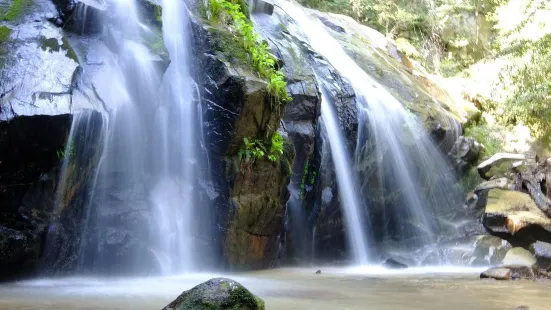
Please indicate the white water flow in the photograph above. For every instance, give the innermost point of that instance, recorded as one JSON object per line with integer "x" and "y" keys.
{"x": 174, "y": 195}
{"x": 349, "y": 200}
{"x": 391, "y": 142}
{"x": 142, "y": 217}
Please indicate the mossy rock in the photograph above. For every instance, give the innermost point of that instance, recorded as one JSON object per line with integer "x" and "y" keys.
{"x": 217, "y": 293}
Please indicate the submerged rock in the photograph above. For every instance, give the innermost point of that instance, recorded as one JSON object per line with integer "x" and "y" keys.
{"x": 217, "y": 293}
{"x": 513, "y": 272}
{"x": 499, "y": 273}
{"x": 394, "y": 264}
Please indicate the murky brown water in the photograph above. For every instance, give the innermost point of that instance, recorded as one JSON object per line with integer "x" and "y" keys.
{"x": 291, "y": 289}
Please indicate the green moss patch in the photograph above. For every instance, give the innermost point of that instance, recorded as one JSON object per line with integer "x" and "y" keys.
{"x": 52, "y": 45}
{"x": 229, "y": 47}
{"x": 17, "y": 8}
{"x": 5, "y": 33}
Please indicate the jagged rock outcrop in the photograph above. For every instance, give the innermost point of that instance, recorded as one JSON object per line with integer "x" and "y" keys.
{"x": 465, "y": 153}
{"x": 217, "y": 293}
{"x": 236, "y": 104}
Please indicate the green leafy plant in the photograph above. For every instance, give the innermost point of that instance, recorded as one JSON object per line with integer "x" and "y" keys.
{"x": 276, "y": 147}
{"x": 257, "y": 149}
{"x": 263, "y": 62}
{"x": 304, "y": 180}
{"x": 68, "y": 152}
{"x": 252, "y": 150}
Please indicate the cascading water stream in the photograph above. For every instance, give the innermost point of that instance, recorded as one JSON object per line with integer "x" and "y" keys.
{"x": 145, "y": 213}
{"x": 393, "y": 151}
{"x": 349, "y": 200}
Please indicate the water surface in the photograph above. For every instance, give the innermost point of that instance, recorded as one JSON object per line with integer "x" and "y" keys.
{"x": 358, "y": 288}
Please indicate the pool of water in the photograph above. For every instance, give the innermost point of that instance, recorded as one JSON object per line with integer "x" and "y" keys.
{"x": 293, "y": 288}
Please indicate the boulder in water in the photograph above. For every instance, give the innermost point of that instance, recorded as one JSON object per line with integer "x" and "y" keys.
{"x": 394, "y": 264}
{"x": 542, "y": 252}
{"x": 217, "y": 293}
{"x": 513, "y": 272}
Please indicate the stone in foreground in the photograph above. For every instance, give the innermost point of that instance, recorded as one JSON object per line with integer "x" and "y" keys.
{"x": 513, "y": 272}
{"x": 217, "y": 293}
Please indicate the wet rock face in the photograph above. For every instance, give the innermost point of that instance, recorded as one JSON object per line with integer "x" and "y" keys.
{"x": 29, "y": 165}
{"x": 252, "y": 195}
{"x": 81, "y": 16}
{"x": 38, "y": 67}
{"x": 217, "y": 293}
{"x": 257, "y": 211}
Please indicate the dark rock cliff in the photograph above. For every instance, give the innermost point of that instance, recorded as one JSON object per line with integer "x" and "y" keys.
{"x": 29, "y": 170}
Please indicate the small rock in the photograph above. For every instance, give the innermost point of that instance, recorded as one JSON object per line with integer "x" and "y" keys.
{"x": 519, "y": 256}
{"x": 394, "y": 264}
{"x": 217, "y": 293}
{"x": 499, "y": 273}
{"x": 318, "y": 272}
{"x": 512, "y": 272}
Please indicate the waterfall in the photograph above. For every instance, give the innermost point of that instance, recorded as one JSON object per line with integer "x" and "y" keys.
{"x": 144, "y": 212}
{"x": 401, "y": 170}
{"x": 350, "y": 201}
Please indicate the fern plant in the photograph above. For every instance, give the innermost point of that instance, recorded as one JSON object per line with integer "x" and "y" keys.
{"x": 276, "y": 147}
{"x": 262, "y": 61}
{"x": 252, "y": 150}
